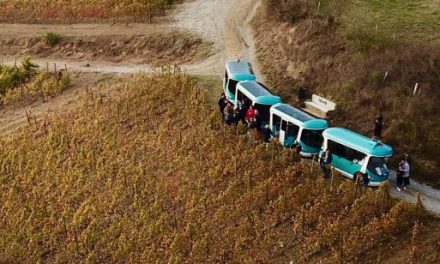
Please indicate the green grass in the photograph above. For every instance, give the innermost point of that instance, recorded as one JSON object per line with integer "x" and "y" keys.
{"x": 410, "y": 19}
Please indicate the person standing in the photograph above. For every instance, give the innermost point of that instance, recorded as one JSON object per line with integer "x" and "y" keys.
{"x": 222, "y": 104}
{"x": 302, "y": 93}
{"x": 405, "y": 169}
{"x": 326, "y": 163}
{"x": 228, "y": 113}
{"x": 267, "y": 134}
{"x": 258, "y": 120}
{"x": 399, "y": 176}
{"x": 250, "y": 114}
{"x": 378, "y": 126}
{"x": 242, "y": 113}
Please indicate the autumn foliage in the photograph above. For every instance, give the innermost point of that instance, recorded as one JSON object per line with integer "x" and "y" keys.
{"x": 151, "y": 175}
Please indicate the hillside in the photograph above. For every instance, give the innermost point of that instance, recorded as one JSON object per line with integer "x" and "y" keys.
{"x": 148, "y": 174}
{"x": 367, "y": 56}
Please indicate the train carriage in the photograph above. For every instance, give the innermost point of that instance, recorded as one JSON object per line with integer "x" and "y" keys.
{"x": 257, "y": 95}
{"x": 236, "y": 71}
{"x": 290, "y": 124}
{"x": 354, "y": 153}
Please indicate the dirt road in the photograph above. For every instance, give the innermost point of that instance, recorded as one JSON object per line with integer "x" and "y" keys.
{"x": 429, "y": 196}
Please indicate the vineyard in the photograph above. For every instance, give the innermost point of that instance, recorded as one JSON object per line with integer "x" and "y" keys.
{"x": 67, "y": 11}
{"x": 151, "y": 175}
{"x": 25, "y": 83}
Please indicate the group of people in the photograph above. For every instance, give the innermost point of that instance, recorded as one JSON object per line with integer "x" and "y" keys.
{"x": 250, "y": 117}
{"x": 403, "y": 170}
{"x": 402, "y": 177}
{"x": 247, "y": 114}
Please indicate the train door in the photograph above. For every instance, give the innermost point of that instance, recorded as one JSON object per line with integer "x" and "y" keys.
{"x": 275, "y": 125}
{"x": 288, "y": 133}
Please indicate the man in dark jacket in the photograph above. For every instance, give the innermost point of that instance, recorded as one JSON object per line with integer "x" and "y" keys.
{"x": 378, "y": 127}
{"x": 258, "y": 120}
{"x": 267, "y": 134}
{"x": 222, "y": 104}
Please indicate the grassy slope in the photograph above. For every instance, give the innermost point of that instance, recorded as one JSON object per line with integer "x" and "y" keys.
{"x": 150, "y": 175}
{"x": 345, "y": 51}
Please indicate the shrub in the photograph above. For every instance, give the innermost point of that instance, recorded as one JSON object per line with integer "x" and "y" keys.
{"x": 52, "y": 39}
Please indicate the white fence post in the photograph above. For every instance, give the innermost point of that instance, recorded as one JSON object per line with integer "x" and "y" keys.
{"x": 416, "y": 87}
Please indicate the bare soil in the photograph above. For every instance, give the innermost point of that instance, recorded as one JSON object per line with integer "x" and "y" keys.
{"x": 118, "y": 43}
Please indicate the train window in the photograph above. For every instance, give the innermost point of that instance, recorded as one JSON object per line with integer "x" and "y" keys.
{"x": 312, "y": 138}
{"x": 292, "y": 130}
{"x": 376, "y": 162}
{"x": 240, "y": 96}
{"x": 276, "y": 121}
{"x": 336, "y": 148}
{"x": 264, "y": 111}
{"x": 346, "y": 152}
{"x": 232, "y": 85}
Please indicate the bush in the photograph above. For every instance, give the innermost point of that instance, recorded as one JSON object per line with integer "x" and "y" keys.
{"x": 52, "y": 39}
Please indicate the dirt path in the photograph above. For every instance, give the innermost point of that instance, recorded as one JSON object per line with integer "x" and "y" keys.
{"x": 226, "y": 24}
{"x": 429, "y": 196}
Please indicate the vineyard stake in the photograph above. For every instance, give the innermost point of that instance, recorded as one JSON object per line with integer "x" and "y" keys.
{"x": 331, "y": 180}
{"x": 356, "y": 189}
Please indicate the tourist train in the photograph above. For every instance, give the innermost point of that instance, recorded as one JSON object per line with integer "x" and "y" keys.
{"x": 353, "y": 153}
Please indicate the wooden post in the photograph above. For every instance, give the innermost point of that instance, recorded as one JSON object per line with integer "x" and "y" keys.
{"x": 357, "y": 186}
{"x": 311, "y": 165}
{"x": 331, "y": 180}
{"x": 385, "y": 76}
{"x": 55, "y": 67}
{"x": 416, "y": 87}
{"x": 303, "y": 220}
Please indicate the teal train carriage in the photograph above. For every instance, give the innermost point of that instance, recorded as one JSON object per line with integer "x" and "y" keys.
{"x": 354, "y": 153}
{"x": 236, "y": 71}
{"x": 257, "y": 95}
{"x": 291, "y": 125}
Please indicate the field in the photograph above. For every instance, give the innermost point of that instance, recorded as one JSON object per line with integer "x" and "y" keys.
{"x": 414, "y": 20}
{"x": 138, "y": 176}
{"x": 65, "y": 11}
{"x": 367, "y": 56}
{"x": 129, "y": 167}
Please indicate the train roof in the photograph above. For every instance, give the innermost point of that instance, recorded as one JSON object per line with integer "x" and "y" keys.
{"x": 359, "y": 142}
{"x": 296, "y": 116}
{"x": 240, "y": 70}
{"x": 257, "y": 93}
